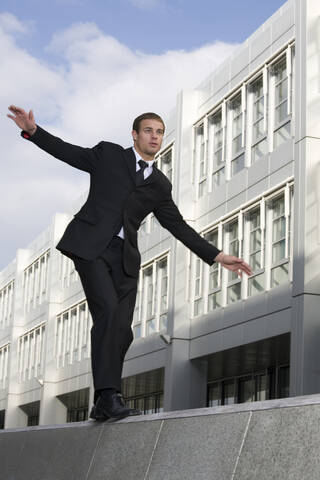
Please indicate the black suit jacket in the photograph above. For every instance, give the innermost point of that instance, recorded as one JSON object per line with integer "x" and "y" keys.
{"x": 114, "y": 199}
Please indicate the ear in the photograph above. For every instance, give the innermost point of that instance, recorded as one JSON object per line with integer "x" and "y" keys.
{"x": 134, "y": 134}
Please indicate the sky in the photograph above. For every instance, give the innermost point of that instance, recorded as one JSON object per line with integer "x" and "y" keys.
{"x": 87, "y": 69}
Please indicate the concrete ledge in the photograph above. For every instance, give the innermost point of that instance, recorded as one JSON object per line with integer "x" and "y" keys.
{"x": 272, "y": 439}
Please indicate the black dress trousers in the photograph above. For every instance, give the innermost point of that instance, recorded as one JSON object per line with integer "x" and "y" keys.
{"x": 111, "y": 296}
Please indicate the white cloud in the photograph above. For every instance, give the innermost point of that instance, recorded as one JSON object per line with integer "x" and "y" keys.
{"x": 95, "y": 93}
{"x": 10, "y": 23}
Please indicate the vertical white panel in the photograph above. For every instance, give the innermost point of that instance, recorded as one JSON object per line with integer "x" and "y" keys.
{"x": 289, "y": 72}
{"x": 265, "y": 97}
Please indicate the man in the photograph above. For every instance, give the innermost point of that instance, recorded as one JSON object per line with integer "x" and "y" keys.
{"x": 101, "y": 239}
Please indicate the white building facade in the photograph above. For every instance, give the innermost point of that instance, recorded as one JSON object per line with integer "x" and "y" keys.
{"x": 242, "y": 153}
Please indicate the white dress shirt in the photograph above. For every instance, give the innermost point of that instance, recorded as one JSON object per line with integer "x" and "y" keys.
{"x": 147, "y": 171}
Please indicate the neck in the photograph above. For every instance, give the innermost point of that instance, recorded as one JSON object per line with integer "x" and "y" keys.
{"x": 145, "y": 156}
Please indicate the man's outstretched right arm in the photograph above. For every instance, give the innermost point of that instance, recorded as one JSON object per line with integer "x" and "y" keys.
{"x": 78, "y": 157}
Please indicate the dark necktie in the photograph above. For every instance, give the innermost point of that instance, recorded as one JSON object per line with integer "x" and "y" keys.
{"x": 140, "y": 175}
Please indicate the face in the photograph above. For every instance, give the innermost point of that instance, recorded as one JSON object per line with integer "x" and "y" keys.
{"x": 149, "y": 138}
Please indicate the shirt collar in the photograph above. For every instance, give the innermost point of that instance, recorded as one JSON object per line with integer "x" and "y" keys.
{"x": 138, "y": 157}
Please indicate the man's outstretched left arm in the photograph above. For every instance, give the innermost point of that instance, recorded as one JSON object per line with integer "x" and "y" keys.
{"x": 170, "y": 218}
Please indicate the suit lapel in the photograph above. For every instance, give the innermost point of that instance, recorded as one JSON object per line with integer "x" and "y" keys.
{"x": 131, "y": 164}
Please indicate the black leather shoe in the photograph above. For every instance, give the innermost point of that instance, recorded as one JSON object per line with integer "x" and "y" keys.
{"x": 111, "y": 409}
{"x": 133, "y": 411}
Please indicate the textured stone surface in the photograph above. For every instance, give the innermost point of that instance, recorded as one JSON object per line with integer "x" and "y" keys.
{"x": 276, "y": 439}
{"x": 48, "y": 454}
{"x": 198, "y": 448}
{"x": 124, "y": 451}
{"x": 282, "y": 444}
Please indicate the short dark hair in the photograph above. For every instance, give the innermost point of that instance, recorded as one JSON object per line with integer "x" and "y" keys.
{"x": 146, "y": 116}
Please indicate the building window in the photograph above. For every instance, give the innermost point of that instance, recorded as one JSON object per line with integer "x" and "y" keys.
{"x": 151, "y": 403}
{"x": 32, "y": 410}
{"x": 144, "y": 391}
{"x": 256, "y": 249}
{"x": 197, "y": 287}
{"x": 236, "y": 122}
{"x": 31, "y": 353}
{"x": 216, "y": 148}
{"x": 259, "y": 142}
{"x": 282, "y": 117}
{"x": 35, "y": 282}
{"x": 246, "y": 134}
{"x": 151, "y": 308}
{"x": 4, "y": 365}
{"x": 77, "y": 404}
{"x": 234, "y": 283}
{"x": 261, "y": 234}
{"x": 271, "y": 383}
{"x": 72, "y": 339}
{"x": 6, "y": 304}
{"x": 164, "y": 162}
{"x": 200, "y": 160}
{"x": 280, "y": 240}
{"x": 214, "y": 286}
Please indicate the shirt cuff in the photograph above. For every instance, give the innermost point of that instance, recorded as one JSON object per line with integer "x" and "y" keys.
{"x": 25, "y": 134}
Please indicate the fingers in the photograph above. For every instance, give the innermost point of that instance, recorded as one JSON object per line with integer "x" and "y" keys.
{"x": 16, "y": 110}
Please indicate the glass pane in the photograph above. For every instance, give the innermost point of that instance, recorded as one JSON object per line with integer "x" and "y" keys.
{"x": 282, "y": 135}
{"x": 234, "y": 293}
{"x": 281, "y": 91}
{"x": 246, "y": 390}
{"x": 219, "y": 178}
{"x": 256, "y": 284}
{"x": 233, "y": 231}
{"x": 255, "y": 240}
{"x": 215, "y": 301}
{"x": 236, "y": 144}
{"x": 258, "y": 130}
{"x": 254, "y": 219}
{"x": 279, "y": 229}
{"x": 261, "y": 387}
{"x": 278, "y": 251}
{"x": 258, "y": 109}
{"x": 198, "y": 307}
{"x": 218, "y": 139}
{"x": 237, "y": 164}
{"x": 283, "y": 382}
{"x": 213, "y": 277}
{"x": 218, "y": 158}
{"x": 279, "y": 275}
{"x": 255, "y": 261}
{"x": 137, "y": 331}
{"x": 214, "y": 395}
{"x": 281, "y": 112}
{"x": 278, "y": 207}
{"x": 228, "y": 392}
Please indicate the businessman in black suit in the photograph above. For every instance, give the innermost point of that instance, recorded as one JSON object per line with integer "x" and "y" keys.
{"x": 101, "y": 239}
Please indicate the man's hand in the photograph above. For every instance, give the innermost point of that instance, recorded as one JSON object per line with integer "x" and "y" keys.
{"x": 23, "y": 119}
{"x": 234, "y": 264}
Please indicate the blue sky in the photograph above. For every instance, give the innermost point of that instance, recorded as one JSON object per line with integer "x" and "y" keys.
{"x": 152, "y": 26}
{"x": 87, "y": 69}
